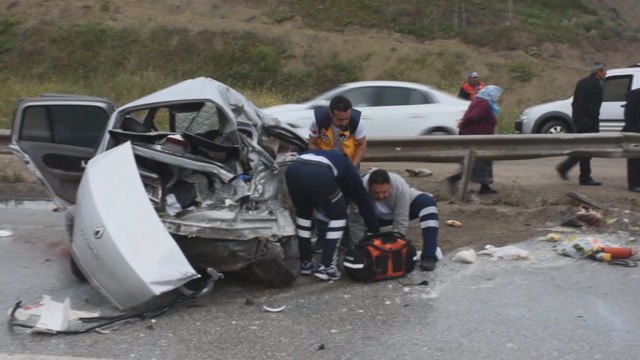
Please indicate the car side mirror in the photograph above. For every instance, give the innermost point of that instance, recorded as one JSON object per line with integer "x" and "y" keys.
{"x": 319, "y": 103}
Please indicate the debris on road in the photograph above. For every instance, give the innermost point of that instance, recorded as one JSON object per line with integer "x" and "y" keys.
{"x": 5, "y": 233}
{"x": 419, "y": 172}
{"x": 584, "y": 199}
{"x": 454, "y": 223}
{"x": 53, "y": 316}
{"x": 580, "y": 247}
{"x": 274, "y": 310}
{"x": 551, "y": 237}
{"x": 505, "y": 252}
{"x": 320, "y": 347}
{"x": 584, "y": 215}
{"x": 466, "y": 256}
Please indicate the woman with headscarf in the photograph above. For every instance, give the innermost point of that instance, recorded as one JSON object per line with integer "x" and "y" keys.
{"x": 480, "y": 118}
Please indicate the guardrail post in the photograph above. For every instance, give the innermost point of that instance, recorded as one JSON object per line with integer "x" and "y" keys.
{"x": 467, "y": 168}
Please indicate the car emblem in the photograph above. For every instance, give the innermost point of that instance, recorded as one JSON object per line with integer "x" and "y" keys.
{"x": 97, "y": 233}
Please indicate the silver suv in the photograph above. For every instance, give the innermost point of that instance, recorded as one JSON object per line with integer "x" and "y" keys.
{"x": 555, "y": 117}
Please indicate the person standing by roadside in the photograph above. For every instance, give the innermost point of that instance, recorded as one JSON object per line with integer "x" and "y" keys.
{"x": 632, "y": 124}
{"x": 322, "y": 179}
{"x": 587, "y": 99}
{"x": 480, "y": 118}
{"x": 395, "y": 203}
{"x": 469, "y": 89}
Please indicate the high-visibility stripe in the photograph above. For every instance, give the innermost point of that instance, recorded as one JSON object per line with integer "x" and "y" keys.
{"x": 303, "y": 222}
{"x": 429, "y": 223}
{"x": 353, "y": 266}
{"x": 337, "y": 223}
{"x": 304, "y": 233}
{"x": 428, "y": 210}
{"x": 334, "y": 234}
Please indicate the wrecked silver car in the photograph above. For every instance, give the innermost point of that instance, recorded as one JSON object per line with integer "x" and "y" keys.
{"x": 165, "y": 189}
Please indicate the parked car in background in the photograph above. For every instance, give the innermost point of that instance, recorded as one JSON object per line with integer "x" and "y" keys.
{"x": 389, "y": 108}
{"x": 182, "y": 180}
{"x": 555, "y": 117}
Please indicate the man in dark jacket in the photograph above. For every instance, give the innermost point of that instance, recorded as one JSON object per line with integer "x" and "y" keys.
{"x": 322, "y": 179}
{"x": 632, "y": 124}
{"x": 585, "y": 107}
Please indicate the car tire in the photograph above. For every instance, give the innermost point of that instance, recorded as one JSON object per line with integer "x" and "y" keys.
{"x": 555, "y": 127}
{"x": 279, "y": 272}
{"x": 75, "y": 270}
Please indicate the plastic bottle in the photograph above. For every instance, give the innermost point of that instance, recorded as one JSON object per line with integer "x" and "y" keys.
{"x": 618, "y": 252}
{"x": 602, "y": 256}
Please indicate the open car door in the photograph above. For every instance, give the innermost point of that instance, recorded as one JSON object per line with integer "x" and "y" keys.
{"x": 55, "y": 135}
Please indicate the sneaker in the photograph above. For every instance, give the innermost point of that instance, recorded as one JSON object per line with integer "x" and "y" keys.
{"x": 330, "y": 273}
{"x": 307, "y": 267}
{"x": 428, "y": 264}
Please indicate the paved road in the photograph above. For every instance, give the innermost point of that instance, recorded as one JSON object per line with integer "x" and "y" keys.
{"x": 549, "y": 307}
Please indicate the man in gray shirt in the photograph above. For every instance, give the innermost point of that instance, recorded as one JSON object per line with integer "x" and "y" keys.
{"x": 395, "y": 204}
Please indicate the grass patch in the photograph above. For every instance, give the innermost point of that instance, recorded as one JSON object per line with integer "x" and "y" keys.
{"x": 11, "y": 177}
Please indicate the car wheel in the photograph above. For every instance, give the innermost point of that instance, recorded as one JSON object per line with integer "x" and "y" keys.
{"x": 279, "y": 272}
{"x": 555, "y": 127}
{"x": 75, "y": 270}
{"x": 438, "y": 131}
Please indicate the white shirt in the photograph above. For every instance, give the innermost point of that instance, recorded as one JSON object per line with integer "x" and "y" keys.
{"x": 383, "y": 211}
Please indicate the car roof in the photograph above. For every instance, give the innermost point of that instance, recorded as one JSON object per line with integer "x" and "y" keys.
{"x": 387, "y": 83}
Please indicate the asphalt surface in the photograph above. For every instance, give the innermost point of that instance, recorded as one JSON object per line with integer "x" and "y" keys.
{"x": 549, "y": 307}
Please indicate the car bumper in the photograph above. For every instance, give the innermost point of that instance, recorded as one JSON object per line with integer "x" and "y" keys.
{"x": 518, "y": 125}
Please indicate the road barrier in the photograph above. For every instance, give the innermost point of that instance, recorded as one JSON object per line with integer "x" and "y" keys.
{"x": 467, "y": 149}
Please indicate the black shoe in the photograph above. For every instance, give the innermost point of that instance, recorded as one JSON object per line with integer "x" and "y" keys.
{"x": 452, "y": 181}
{"x": 428, "y": 264}
{"x": 562, "y": 174}
{"x": 590, "y": 182}
{"x": 635, "y": 189}
{"x": 487, "y": 190}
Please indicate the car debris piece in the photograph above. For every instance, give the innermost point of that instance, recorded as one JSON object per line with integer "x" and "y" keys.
{"x": 454, "y": 223}
{"x": 465, "y": 256}
{"x": 248, "y": 301}
{"x": 506, "y": 252}
{"x": 584, "y": 199}
{"x": 5, "y": 233}
{"x": 320, "y": 347}
{"x": 274, "y": 310}
{"x": 419, "y": 172}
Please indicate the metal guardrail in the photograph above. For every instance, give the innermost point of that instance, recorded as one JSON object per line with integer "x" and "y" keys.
{"x": 501, "y": 147}
{"x": 468, "y": 149}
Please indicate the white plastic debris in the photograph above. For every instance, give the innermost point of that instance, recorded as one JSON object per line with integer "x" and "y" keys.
{"x": 5, "y": 233}
{"x": 54, "y": 316}
{"x": 173, "y": 207}
{"x": 439, "y": 253}
{"x": 505, "y": 252}
{"x": 422, "y": 172}
{"x": 465, "y": 256}
{"x": 274, "y": 310}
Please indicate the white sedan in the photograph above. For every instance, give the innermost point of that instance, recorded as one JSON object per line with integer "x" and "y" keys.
{"x": 389, "y": 108}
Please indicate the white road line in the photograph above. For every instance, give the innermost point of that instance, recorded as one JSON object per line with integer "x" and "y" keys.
{"x": 41, "y": 357}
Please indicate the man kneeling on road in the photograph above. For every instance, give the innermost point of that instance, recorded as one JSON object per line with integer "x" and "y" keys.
{"x": 322, "y": 178}
{"x": 395, "y": 203}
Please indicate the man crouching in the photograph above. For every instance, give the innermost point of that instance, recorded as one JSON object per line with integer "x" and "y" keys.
{"x": 395, "y": 204}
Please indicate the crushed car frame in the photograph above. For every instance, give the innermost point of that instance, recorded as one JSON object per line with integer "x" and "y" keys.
{"x": 162, "y": 189}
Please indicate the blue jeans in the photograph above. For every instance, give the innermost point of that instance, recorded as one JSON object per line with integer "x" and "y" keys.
{"x": 424, "y": 207}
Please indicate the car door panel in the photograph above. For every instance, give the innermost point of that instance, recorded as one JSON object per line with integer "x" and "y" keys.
{"x": 56, "y": 138}
{"x": 612, "y": 108}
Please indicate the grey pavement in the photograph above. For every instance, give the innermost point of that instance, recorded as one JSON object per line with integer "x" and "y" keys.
{"x": 549, "y": 307}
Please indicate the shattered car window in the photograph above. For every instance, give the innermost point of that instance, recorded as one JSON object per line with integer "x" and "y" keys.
{"x": 209, "y": 117}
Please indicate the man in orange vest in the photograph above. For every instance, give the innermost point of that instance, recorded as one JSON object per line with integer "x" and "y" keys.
{"x": 469, "y": 89}
{"x": 338, "y": 128}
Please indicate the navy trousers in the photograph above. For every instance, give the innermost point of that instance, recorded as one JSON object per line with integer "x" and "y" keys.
{"x": 423, "y": 207}
{"x": 312, "y": 185}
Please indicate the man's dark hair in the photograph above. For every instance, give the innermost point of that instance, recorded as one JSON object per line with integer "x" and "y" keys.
{"x": 340, "y": 103}
{"x": 379, "y": 177}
